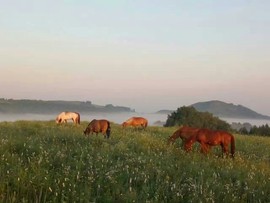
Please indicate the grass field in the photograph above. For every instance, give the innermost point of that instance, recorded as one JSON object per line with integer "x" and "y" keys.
{"x": 44, "y": 162}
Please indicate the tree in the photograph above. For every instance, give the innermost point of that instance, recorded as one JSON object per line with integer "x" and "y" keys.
{"x": 193, "y": 118}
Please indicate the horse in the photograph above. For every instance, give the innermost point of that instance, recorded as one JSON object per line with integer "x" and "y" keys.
{"x": 136, "y": 121}
{"x": 67, "y": 115}
{"x": 184, "y": 133}
{"x": 98, "y": 126}
{"x": 208, "y": 138}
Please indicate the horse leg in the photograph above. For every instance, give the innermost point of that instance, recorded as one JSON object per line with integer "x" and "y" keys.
{"x": 225, "y": 149}
{"x": 183, "y": 142}
{"x": 75, "y": 120}
{"x": 204, "y": 148}
{"x": 143, "y": 126}
{"x": 188, "y": 144}
{"x": 104, "y": 133}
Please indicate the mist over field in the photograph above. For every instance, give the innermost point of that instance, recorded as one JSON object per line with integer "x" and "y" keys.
{"x": 118, "y": 118}
{"x": 113, "y": 117}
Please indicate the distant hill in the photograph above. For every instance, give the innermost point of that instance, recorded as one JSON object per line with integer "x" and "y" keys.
{"x": 164, "y": 112}
{"x": 11, "y": 106}
{"x": 228, "y": 110}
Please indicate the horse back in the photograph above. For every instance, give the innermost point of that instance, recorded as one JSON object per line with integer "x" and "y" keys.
{"x": 104, "y": 124}
{"x": 186, "y": 132}
{"x": 214, "y": 136}
{"x": 140, "y": 121}
{"x": 99, "y": 125}
{"x": 136, "y": 121}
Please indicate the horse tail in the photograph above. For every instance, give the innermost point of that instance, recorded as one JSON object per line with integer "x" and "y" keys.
{"x": 79, "y": 118}
{"x": 146, "y": 123}
{"x": 232, "y": 146}
{"x": 108, "y": 131}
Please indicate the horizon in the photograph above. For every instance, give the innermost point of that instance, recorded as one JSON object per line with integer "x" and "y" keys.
{"x": 145, "y": 112}
{"x": 148, "y": 56}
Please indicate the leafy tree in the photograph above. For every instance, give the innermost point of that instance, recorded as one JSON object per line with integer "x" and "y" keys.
{"x": 193, "y": 118}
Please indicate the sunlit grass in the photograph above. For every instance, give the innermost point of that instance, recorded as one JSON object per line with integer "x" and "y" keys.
{"x": 45, "y": 162}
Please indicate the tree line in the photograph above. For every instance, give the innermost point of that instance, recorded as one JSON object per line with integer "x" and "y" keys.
{"x": 263, "y": 130}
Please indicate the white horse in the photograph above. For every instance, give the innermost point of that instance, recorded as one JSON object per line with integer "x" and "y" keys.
{"x": 64, "y": 116}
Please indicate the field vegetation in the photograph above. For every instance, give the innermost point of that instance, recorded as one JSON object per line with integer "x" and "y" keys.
{"x": 44, "y": 162}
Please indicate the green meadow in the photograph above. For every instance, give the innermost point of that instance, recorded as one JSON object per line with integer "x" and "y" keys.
{"x": 44, "y": 162}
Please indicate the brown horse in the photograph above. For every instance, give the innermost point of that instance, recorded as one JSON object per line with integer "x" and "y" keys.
{"x": 136, "y": 121}
{"x": 67, "y": 115}
{"x": 98, "y": 126}
{"x": 184, "y": 133}
{"x": 208, "y": 138}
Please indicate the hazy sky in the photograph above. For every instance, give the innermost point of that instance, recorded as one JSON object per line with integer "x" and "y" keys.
{"x": 147, "y": 55}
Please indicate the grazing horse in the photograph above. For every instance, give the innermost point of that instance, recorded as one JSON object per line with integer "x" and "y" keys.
{"x": 67, "y": 115}
{"x": 208, "y": 138}
{"x": 184, "y": 133}
{"x": 136, "y": 121}
{"x": 98, "y": 126}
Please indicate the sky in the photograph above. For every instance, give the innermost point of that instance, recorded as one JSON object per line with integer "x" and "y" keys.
{"x": 147, "y": 55}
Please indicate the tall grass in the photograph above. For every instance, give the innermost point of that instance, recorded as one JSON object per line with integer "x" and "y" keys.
{"x": 45, "y": 162}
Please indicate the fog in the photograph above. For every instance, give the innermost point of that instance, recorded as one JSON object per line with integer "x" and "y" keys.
{"x": 119, "y": 118}
{"x": 257, "y": 122}
{"x": 113, "y": 117}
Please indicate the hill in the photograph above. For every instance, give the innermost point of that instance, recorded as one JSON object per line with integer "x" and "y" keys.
{"x": 164, "y": 112}
{"x": 11, "y": 106}
{"x": 228, "y": 110}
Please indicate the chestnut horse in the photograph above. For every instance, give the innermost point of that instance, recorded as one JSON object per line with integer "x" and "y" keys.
{"x": 184, "y": 133}
{"x": 136, "y": 121}
{"x": 98, "y": 126}
{"x": 208, "y": 138}
{"x": 67, "y": 115}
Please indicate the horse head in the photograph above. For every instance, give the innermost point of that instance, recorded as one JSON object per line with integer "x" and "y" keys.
{"x": 170, "y": 140}
{"x": 58, "y": 120}
{"x": 86, "y": 131}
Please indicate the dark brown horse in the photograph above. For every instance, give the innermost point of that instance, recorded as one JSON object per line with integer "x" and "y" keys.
{"x": 98, "y": 126}
{"x": 184, "y": 133}
{"x": 136, "y": 121}
{"x": 208, "y": 138}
